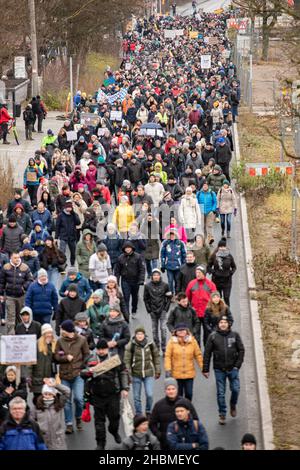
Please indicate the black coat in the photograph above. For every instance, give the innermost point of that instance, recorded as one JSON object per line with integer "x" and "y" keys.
{"x": 227, "y": 349}
{"x": 223, "y": 155}
{"x": 5, "y": 398}
{"x": 14, "y": 282}
{"x": 163, "y": 413}
{"x": 119, "y": 326}
{"x": 211, "y": 321}
{"x": 221, "y": 275}
{"x": 187, "y": 274}
{"x": 183, "y": 315}
{"x": 33, "y": 329}
{"x": 131, "y": 268}
{"x": 155, "y": 298}
{"x": 67, "y": 310}
{"x": 12, "y": 204}
{"x": 66, "y": 226}
{"x": 175, "y": 190}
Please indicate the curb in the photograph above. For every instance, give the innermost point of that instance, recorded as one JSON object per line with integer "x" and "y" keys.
{"x": 260, "y": 363}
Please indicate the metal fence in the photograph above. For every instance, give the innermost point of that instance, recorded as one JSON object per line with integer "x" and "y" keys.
{"x": 295, "y": 253}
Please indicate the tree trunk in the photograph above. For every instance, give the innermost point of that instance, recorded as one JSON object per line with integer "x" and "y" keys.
{"x": 265, "y": 39}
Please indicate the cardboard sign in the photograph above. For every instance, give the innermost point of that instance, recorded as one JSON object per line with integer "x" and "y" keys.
{"x": 18, "y": 349}
{"x": 116, "y": 116}
{"x": 206, "y": 61}
{"x": 194, "y": 34}
{"x": 89, "y": 119}
{"x": 108, "y": 364}
{"x": 71, "y": 135}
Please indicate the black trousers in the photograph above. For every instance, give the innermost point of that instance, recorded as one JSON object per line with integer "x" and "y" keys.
{"x": 4, "y": 128}
{"x": 130, "y": 289}
{"x": 225, "y": 170}
{"x": 224, "y": 288}
{"x": 40, "y": 118}
{"x": 108, "y": 407}
{"x": 32, "y": 191}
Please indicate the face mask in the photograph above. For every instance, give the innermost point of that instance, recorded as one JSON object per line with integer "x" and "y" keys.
{"x": 48, "y": 402}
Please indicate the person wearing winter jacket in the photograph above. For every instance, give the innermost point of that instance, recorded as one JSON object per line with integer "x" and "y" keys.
{"x": 115, "y": 331}
{"x": 189, "y": 213}
{"x": 44, "y": 215}
{"x": 142, "y": 362}
{"x": 85, "y": 248}
{"x": 66, "y": 224}
{"x": 173, "y": 187}
{"x": 42, "y": 298}
{"x": 227, "y": 206}
{"x": 187, "y": 272}
{"x": 228, "y": 352}
{"x": 183, "y": 313}
{"x": 97, "y": 312}
{"x": 198, "y": 292}
{"x": 222, "y": 267}
{"x": 79, "y": 207}
{"x": 223, "y": 156}
{"x": 52, "y": 260}
{"x": 69, "y": 307}
{"x": 28, "y": 326}
{"x": 216, "y": 179}
{"x": 32, "y": 175}
{"x": 113, "y": 295}
{"x": 141, "y": 438}
{"x": 91, "y": 176}
{"x": 11, "y": 237}
{"x": 10, "y": 387}
{"x": 30, "y": 257}
{"x": 215, "y": 309}
{"x": 81, "y": 323}
{"x": 38, "y": 236}
{"x": 99, "y": 267}
{"x": 76, "y": 178}
{"x": 201, "y": 250}
{"x": 186, "y": 433}
{"x": 113, "y": 243}
{"x": 155, "y": 190}
{"x": 207, "y": 201}
{"x": 157, "y": 299}
{"x": 182, "y": 350}
{"x": 23, "y": 219}
{"x": 172, "y": 255}
{"x": 123, "y": 216}
{"x": 48, "y": 412}
{"x": 150, "y": 230}
{"x": 29, "y": 119}
{"x": 130, "y": 268}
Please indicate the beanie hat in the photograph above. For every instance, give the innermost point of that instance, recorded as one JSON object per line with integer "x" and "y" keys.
{"x": 46, "y": 328}
{"x": 183, "y": 404}
{"x": 12, "y": 218}
{"x": 72, "y": 270}
{"x": 102, "y": 247}
{"x": 115, "y": 307}
{"x": 181, "y": 326}
{"x": 27, "y": 246}
{"x": 80, "y": 186}
{"x": 72, "y": 287}
{"x": 13, "y": 368}
{"x": 26, "y": 310}
{"x": 171, "y": 382}
{"x": 101, "y": 159}
{"x": 42, "y": 272}
{"x": 222, "y": 242}
{"x": 201, "y": 268}
{"x": 248, "y": 438}
{"x": 102, "y": 344}
{"x": 49, "y": 238}
{"x": 140, "y": 329}
{"x": 226, "y": 182}
{"x": 139, "y": 419}
{"x": 68, "y": 326}
{"x": 215, "y": 294}
{"x": 112, "y": 278}
{"x": 81, "y": 316}
{"x": 47, "y": 389}
{"x": 156, "y": 270}
{"x": 223, "y": 317}
{"x": 98, "y": 293}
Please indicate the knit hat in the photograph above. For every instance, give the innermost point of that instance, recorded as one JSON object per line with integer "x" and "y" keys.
{"x": 50, "y": 132}
{"x": 46, "y": 328}
{"x": 72, "y": 270}
{"x": 248, "y": 439}
{"x": 183, "y": 404}
{"x": 124, "y": 199}
{"x": 26, "y": 311}
{"x": 226, "y": 182}
{"x": 115, "y": 307}
{"x": 98, "y": 293}
{"x": 102, "y": 344}
{"x": 181, "y": 326}
{"x": 223, "y": 317}
{"x": 12, "y": 218}
{"x": 47, "y": 389}
{"x": 49, "y": 237}
{"x": 156, "y": 270}
{"x": 68, "y": 204}
{"x": 68, "y": 326}
{"x": 215, "y": 294}
{"x": 201, "y": 268}
{"x": 102, "y": 247}
{"x": 42, "y": 272}
{"x": 140, "y": 329}
{"x": 27, "y": 246}
{"x": 72, "y": 287}
{"x": 112, "y": 278}
{"x": 101, "y": 159}
{"x": 221, "y": 140}
{"x": 171, "y": 382}
{"x": 139, "y": 419}
{"x": 81, "y": 316}
{"x": 12, "y": 368}
{"x": 222, "y": 242}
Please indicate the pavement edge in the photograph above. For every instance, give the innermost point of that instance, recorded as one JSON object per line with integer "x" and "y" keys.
{"x": 260, "y": 362}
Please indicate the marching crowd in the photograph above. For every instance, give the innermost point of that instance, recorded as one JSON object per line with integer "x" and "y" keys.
{"x": 139, "y": 193}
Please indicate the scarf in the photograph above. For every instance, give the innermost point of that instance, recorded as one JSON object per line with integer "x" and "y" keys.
{"x": 220, "y": 255}
{"x": 113, "y": 297}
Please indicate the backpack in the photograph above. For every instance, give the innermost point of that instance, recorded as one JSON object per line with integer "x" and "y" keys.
{"x": 148, "y": 445}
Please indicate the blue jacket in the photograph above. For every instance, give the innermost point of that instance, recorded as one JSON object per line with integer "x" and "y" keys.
{"x": 43, "y": 300}
{"x": 182, "y": 436}
{"x": 172, "y": 254}
{"x": 66, "y": 226}
{"x": 35, "y": 180}
{"x": 114, "y": 247}
{"x": 45, "y": 218}
{"x": 83, "y": 285}
{"x": 33, "y": 264}
{"x": 207, "y": 201}
{"x": 23, "y": 436}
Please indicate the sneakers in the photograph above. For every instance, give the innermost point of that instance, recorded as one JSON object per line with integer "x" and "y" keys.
{"x": 233, "y": 411}
{"x": 117, "y": 438}
{"x": 79, "y": 424}
{"x": 3, "y": 322}
{"x": 69, "y": 429}
{"x": 222, "y": 419}
{"x": 133, "y": 315}
{"x": 6, "y": 143}
{"x": 228, "y": 235}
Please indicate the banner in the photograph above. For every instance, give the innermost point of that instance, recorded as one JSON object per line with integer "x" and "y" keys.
{"x": 89, "y": 119}
{"x": 116, "y": 116}
{"x": 18, "y": 349}
{"x": 206, "y": 61}
{"x": 119, "y": 96}
{"x": 71, "y": 135}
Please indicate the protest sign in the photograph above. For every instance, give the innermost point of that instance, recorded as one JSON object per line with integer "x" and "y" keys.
{"x": 101, "y": 131}
{"x": 170, "y": 34}
{"x": 206, "y": 61}
{"x": 115, "y": 116}
{"x": 108, "y": 364}
{"x": 71, "y": 135}
{"x": 194, "y": 34}
{"x": 89, "y": 119}
{"x": 18, "y": 349}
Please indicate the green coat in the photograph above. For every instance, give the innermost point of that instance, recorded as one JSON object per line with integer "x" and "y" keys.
{"x": 83, "y": 254}
{"x": 45, "y": 367}
{"x": 96, "y": 314}
{"x": 142, "y": 361}
{"x": 215, "y": 182}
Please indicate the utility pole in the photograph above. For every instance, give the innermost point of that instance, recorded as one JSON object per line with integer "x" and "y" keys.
{"x": 71, "y": 85}
{"x": 34, "y": 53}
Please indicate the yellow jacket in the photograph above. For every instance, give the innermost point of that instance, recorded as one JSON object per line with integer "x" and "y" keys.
{"x": 179, "y": 358}
{"x": 123, "y": 217}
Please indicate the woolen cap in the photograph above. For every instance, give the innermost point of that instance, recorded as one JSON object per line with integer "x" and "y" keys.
{"x": 171, "y": 382}
{"x": 248, "y": 438}
{"x": 68, "y": 326}
{"x": 102, "y": 344}
{"x": 139, "y": 419}
{"x": 46, "y": 328}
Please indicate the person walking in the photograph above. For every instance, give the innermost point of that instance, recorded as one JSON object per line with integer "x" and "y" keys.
{"x": 115, "y": 331}
{"x": 182, "y": 350}
{"x": 226, "y": 206}
{"x": 187, "y": 272}
{"x": 189, "y": 214}
{"x": 208, "y": 205}
{"x": 183, "y": 313}
{"x": 82, "y": 284}
{"x": 248, "y": 442}
{"x": 69, "y": 306}
{"x": 28, "y": 326}
{"x": 222, "y": 267}
{"x": 32, "y": 175}
{"x": 141, "y": 438}
{"x": 99, "y": 267}
{"x": 29, "y": 119}
{"x": 228, "y": 352}
{"x": 142, "y": 362}
{"x": 42, "y": 298}
{"x": 216, "y": 308}
{"x": 172, "y": 255}
{"x": 104, "y": 392}
{"x": 52, "y": 260}
{"x": 66, "y": 224}
{"x": 71, "y": 352}
{"x": 11, "y": 386}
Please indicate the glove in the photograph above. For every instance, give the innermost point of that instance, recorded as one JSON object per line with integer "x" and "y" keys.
{"x": 235, "y": 212}
{"x": 163, "y": 270}
{"x": 157, "y": 376}
{"x": 168, "y": 374}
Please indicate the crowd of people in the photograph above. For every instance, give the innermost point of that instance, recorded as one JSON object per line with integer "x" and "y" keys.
{"x": 139, "y": 193}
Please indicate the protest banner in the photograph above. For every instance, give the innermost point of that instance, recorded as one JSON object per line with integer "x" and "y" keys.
{"x": 71, "y": 135}
{"x": 206, "y": 61}
{"x": 89, "y": 119}
{"x": 18, "y": 349}
{"x": 101, "y": 131}
{"x": 108, "y": 364}
{"x": 115, "y": 116}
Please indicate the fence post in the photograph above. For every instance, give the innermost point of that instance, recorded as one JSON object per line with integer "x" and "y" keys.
{"x": 295, "y": 196}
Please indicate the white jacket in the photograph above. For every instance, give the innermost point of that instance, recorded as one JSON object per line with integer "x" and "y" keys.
{"x": 99, "y": 269}
{"x": 156, "y": 191}
{"x": 189, "y": 212}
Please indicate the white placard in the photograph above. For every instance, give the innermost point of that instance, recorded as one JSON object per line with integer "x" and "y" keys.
{"x": 101, "y": 131}
{"x": 128, "y": 66}
{"x": 170, "y": 33}
{"x": 20, "y": 67}
{"x": 18, "y": 349}
{"x": 179, "y": 32}
{"x": 71, "y": 135}
{"x": 116, "y": 116}
{"x": 206, "y": 61}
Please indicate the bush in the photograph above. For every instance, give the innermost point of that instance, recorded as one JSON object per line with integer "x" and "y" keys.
{"x": 6, "y": 183}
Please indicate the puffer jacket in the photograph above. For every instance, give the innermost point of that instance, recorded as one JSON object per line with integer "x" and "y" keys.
{"x": 114, "y": 245}
{"x": 142, "y": 358}
{"x": 227, "y": 349}
{"x": 116, "y": 327}
{"x": 187, "y": 274}
{"x": 52, "y": 422}
{"x": 181, "y": 435}
{"x": 183, "y": 315}
{"x": 24, "y": 221}
{"x": 23, "y": 436}
{"x": 45, "y": 217}
{"x": 189, "y": 212}
{"x": 198, "y": 293}
{"x": 130, "y": 267}
{"x": 83, "y": 286}
{"x": 32, "y": 262}
{"x": 42, "y": 299}
{"x": 67, "y": 310}
{"x": 66, "y": 226}
{"x": 11, "y": 239}
{"x": 14, "y": 281}
{"x": 207, "y": 201}
{"x": 157, "y": 297}
{"x": 226, "y": 201}
{"x": 179, "y": 358}
{"x": 216, "y": 181}
{"x": 172, "y": 254}
{"x": 76, "y": 347}
{"x": 83, "y": 254}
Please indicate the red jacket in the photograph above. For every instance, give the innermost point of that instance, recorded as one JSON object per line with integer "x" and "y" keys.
{"x": 198, "y": 293}
{"x": 4, "y": 116}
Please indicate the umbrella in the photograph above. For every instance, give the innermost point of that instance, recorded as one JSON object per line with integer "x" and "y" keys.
{"x": 152, "y": 129}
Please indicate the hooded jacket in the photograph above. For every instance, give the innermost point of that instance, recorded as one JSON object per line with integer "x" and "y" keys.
{"x": 23, "y": 220}
{"x": 114, "y": 245}
{"x": 189, "y": 212}
{"x": 32, "y": 262}
{"x": 19, "y": 391}
{"x": 130, "y": 267}
{"x": 142, "y": 358}
{"x": 222, "y": 266}
{"x": 183, "y": 315}
{"x": 172, "y": 254}
{"x": 182, "y": 435}
{"x": 37, "y": 239}
{"x": 76, "y": 347}
{"x": 216, "y": 180}
{"x": 23, "y": 436}
{"x": 97, "y": 313}
{"x": 179, "y": 358}
{"x": 66, "y": 226}
{"x": 83, "y": 286}
{"x": 67, "y": 310}
{"x": 83, "y": 254}
{"x": 157, "y": 297}
{"x": 32, "y": 328}
{"x": 198, "y": 293}
{"x": 227, "y": 349}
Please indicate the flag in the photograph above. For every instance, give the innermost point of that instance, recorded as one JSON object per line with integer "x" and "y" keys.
{"x": 119, "y": 96}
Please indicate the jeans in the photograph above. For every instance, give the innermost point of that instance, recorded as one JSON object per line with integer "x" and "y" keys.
{"x": 42, "y": 319}
{"x": 173, "y": 279}
{"x": 53, "y": 275}
{"x": 40, "y": 118}
{"x": 130, "y": 288}
{"x": 234, "y": 384}
{"x": 137, "y": 389}
{"x": 225, "y": 218}
{"x": 151, "y": 264}
{"x": 72, "y": 247}
{"x": 76, "y": 386}
{"x": 159, "y": 322}
{"x": 185, "y": 388}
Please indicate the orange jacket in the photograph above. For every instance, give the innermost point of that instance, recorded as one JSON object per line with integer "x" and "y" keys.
{"x": 180, "y": 357}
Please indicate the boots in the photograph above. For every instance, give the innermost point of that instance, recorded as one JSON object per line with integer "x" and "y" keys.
{"x": 228, "y": 235}
{"x": 100, "y": 445}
